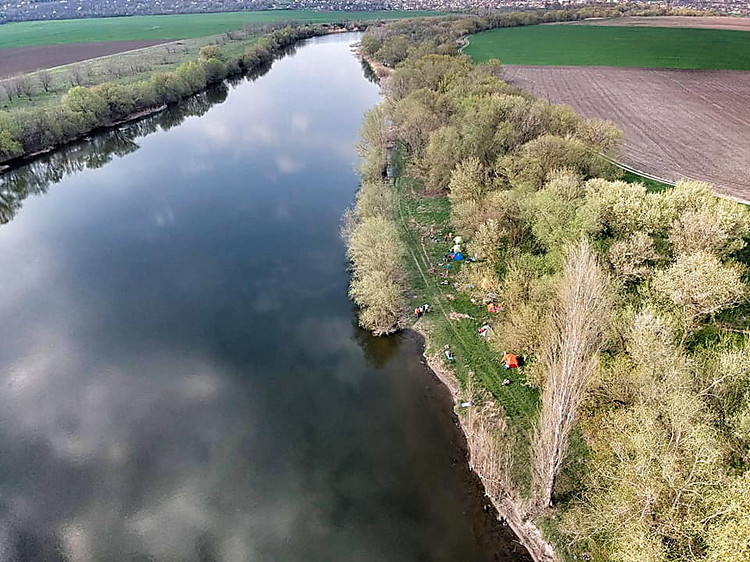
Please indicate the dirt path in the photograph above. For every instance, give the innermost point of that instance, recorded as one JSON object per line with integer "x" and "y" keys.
{"x": 691, "y": 124}
{"x": 28, "y": 59}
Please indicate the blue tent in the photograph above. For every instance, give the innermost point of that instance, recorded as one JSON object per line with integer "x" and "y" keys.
{"x": 458, "y": 256}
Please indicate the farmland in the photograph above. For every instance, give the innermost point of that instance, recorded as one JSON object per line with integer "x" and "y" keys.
{"x": 166, "y": 28}
{"x": 695, "y": 22}
{"x": 677, "y": 123}
{"x": 639, "y": 47}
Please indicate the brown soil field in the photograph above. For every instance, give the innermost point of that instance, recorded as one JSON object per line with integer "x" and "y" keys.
{"x": 698, "y": 22}
{"x": 27, "y": 59}
{"x": 691, "y": 124}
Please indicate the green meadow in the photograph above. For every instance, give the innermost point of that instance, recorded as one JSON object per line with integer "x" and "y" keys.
{"x": 181, "y": 26}
{"x": 588, "y": 45}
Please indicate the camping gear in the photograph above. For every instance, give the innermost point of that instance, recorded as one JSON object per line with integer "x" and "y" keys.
{"x": 493, "y": 307}
{"x": 510, "y": 361}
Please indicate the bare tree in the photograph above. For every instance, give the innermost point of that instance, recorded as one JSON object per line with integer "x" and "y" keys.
{"x": 11, "y": 86}
{"x": 45, "y": 79}
{"x": 569, "y": 356}
{"x": 25, "y": 85}
{"x": 77, "y": 74}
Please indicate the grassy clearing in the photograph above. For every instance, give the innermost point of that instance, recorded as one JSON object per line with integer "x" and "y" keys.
{"x": 645, "y": 47}
{"x": 170, "y": 27}
{"x": 420, "y": 215}
{"x": 653, "y": 186}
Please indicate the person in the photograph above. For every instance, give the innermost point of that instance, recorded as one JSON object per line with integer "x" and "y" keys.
{"x": 418, "y": 312}
{"x": 506, "y": 382}
{"x": 484, "y": 330}
{"x": 509, "y": 361}
{"x": 493, "y": 307}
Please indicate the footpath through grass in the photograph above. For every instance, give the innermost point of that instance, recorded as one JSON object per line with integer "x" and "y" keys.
{"x": 170, "y": 27}
{"x": 418, "y": 216}
{"x": 645, "y": 47}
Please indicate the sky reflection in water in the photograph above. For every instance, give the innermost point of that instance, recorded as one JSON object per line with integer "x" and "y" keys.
{"x": 181, "y": 373}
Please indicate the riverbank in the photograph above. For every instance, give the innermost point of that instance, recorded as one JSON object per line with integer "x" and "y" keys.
{"x": 496, "y": 443}
{"x": 82, "y": 110}
{"x": 487, "y": 425}
{"x": 586, "y": 320}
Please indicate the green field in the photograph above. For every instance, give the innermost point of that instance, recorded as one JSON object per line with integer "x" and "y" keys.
{"x": 647, "y": 47}
{"x": 182, "y": 26}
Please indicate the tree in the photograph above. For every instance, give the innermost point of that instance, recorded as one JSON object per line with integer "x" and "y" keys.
{"x": 699, "y": 285}
{"x": 9, "y": 146}
{"x": 193, "y": 74}
{"x": 211, "y": 52}
{"x": 45, "y": 79}
{"x": 569, "y": 356}
{"x": 718, "y": 226}
{"x": 215, "y": 70}
{"x": 78, "y": 74}
{"x": 88, "y": 104}
{"x": 376, "y": 251}
{"x": 370, "y": 44}
{"x": 169, "y": 87}
{"x": 394, "y": 49}
{"x": 631, "y": 257}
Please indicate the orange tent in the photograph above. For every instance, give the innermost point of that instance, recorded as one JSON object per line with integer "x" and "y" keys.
{"x": 510, "y": 361}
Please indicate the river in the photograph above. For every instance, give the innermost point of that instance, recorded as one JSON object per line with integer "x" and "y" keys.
{"x": 181, "y": 374}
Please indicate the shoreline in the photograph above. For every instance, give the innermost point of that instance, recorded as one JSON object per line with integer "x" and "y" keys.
{"x": 277, "y": 52}
{"x": 19, "y": 161}
{"x": 509, "y": 508}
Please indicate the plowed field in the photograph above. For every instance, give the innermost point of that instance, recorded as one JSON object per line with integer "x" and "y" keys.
{"x": 28, "y": 59}
{"x": 677, "y": 123}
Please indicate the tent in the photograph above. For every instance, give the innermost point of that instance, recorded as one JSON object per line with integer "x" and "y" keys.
{"x": 458, "y": 256}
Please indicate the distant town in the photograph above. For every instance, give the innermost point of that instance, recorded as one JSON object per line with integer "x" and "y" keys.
{"x": 27, "y": 10}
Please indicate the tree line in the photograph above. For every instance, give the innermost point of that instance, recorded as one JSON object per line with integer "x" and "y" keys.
{"x": 630, "y": 304}
{"x": 84, "y": 109}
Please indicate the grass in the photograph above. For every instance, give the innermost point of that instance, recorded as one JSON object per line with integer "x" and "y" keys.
{"x": 646, "y": 47}
{"x": 419, "y": 215}
{"x": 652, "y": 186}
{"x": 132, "y": 67}
{"x": 169, "y": 27}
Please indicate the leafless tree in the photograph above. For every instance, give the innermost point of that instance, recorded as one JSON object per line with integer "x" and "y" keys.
{"x": 77, "y": 74}
{"x": 24, "y": 85}
{"x": 45, "y": 79}
{"x": 569, "y": 355}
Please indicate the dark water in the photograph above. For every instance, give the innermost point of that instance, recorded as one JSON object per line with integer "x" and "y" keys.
{"x": 181, "y": 375}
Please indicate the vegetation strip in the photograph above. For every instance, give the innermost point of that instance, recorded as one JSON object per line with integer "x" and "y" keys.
{"x": 25, "y": 132}
{"x": 626, "y": 428}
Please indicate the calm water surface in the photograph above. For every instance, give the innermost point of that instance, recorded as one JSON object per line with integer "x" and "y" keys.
{"x": 181, "y": 375}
